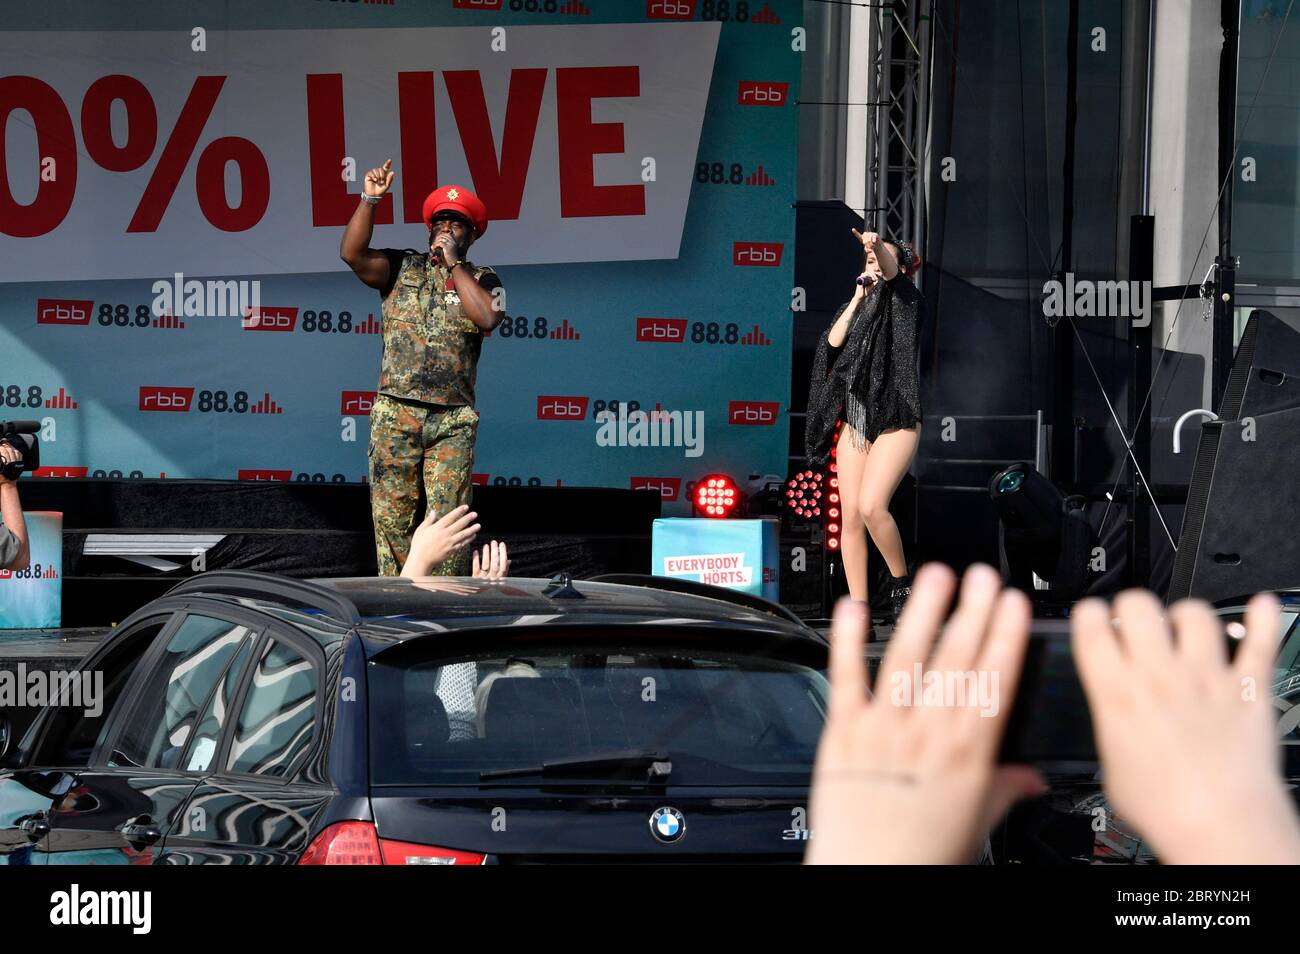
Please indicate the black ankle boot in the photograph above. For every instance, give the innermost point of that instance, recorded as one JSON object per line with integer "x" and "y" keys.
{"x": 900, "y": 589}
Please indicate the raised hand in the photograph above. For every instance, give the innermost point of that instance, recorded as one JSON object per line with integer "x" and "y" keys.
{"x": 494, "y": 564}
{"x": 436, "y": 539}
{"x": 870, "y": 240}
{"x": 1187, "y": 739}
{"x": 378, "y": 180}
{"x": 901, "y": 782}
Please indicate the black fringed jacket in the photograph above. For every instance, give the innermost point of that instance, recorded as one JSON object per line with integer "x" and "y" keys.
{"x": 876, "y": 364}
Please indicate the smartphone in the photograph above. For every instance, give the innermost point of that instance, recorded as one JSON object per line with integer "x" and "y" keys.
{"x": 1049, "y": 722}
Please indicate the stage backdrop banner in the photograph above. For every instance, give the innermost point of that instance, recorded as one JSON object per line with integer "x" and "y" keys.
{"x": 174, "y": 190}
{"x": 32, "y": 597}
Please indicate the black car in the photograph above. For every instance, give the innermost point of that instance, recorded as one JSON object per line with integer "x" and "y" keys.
{"x": 253, "y": 719}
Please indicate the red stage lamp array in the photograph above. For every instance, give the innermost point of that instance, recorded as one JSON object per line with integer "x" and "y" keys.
{"x": 833, "y": 521}
{"x": 803, "y": 494}
{"x": 716, "y": 496}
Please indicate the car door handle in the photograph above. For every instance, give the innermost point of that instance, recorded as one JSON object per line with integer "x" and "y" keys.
{"x": 35, "y": 828}
{"x": 141, "y": 832}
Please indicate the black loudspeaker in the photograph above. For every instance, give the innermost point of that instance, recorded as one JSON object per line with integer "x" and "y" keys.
{"x": 1239, "y": 531}
{"x": 1265, "y": 374}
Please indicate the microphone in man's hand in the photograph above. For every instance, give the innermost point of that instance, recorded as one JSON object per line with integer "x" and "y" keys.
{"x": 440, "y": 254}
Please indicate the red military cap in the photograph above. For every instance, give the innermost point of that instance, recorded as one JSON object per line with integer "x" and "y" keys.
{"x": 458, "y": 199}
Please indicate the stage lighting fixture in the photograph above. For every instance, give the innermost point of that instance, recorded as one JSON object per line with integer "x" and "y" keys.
{"x": 764, "y": 495}
{"x": 805, "y": 496}
{"x": 716, "y": 496}
{"x": 834, "y": 523}
{"x": 1042, "y": 531}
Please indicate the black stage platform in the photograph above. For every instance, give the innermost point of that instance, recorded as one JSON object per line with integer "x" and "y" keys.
{"x": 126, "y": 542}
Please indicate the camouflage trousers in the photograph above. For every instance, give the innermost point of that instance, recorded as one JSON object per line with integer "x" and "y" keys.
{"x": 420, "y": 459}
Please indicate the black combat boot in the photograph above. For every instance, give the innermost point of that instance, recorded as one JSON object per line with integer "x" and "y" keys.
{"x": 900, "y": 588}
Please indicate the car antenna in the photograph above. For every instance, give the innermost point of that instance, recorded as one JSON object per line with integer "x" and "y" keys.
{"x": 561, "y": 588}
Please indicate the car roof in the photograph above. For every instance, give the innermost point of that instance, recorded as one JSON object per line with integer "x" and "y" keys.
{"x": 386, "y": 610}
{"x": 1289, "y": 598}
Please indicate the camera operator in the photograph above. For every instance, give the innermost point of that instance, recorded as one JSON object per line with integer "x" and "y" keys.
{"x": 14, "y": 550}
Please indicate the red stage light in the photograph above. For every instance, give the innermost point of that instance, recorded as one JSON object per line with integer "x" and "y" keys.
{"x": 716, "y": 496}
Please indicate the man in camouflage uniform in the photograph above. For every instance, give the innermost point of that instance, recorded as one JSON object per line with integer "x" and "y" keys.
{"x": 436, "y": 306}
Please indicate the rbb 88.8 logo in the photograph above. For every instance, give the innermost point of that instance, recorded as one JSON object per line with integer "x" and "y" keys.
{"x": 120, "y": 315}
{"x": 722, "y": 11}
{"x": 600, "y": 407}
{"x": 13, "y": 396}
{"x": 712, "y": 333}
{"x": 220, "y": 402}
{"x": 713, "y": 172}
{"x": 324, "y": 321}
{"x": 517, "y": 327}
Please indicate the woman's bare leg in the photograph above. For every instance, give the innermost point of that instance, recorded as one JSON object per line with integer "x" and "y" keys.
{"x": 890, "y": 456}
{"x": 850, "y": 464}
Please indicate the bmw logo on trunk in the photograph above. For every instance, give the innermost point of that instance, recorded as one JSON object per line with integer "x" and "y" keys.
{"x": 668, "y": 825}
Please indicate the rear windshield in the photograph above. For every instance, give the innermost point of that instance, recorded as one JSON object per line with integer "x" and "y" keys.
{"x": 719, "y": 717}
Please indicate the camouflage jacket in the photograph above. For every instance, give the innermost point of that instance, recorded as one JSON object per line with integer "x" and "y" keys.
{"x": 431, "y": 346}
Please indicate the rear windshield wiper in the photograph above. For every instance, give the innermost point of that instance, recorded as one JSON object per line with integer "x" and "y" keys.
{"x": 654, "y": 765}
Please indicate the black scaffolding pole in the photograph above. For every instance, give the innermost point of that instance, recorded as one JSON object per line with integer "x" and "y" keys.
{"x": 1225, "y": 292}
{"x": 1062, "y": 467}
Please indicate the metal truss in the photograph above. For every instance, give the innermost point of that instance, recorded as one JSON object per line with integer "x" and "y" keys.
{"x": 898, "y": 85}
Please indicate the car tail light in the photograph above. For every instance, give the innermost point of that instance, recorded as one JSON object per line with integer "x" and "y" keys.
{"x": 344, "y": 843}
{"x": 357, "y": 843}
{"x": 406, "y": 853}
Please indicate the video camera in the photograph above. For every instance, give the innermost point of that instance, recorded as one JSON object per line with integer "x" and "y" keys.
{"x": 21, "y": 435}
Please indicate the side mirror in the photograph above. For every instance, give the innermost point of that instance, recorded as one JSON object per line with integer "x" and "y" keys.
{"x": 6, "y": 731}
